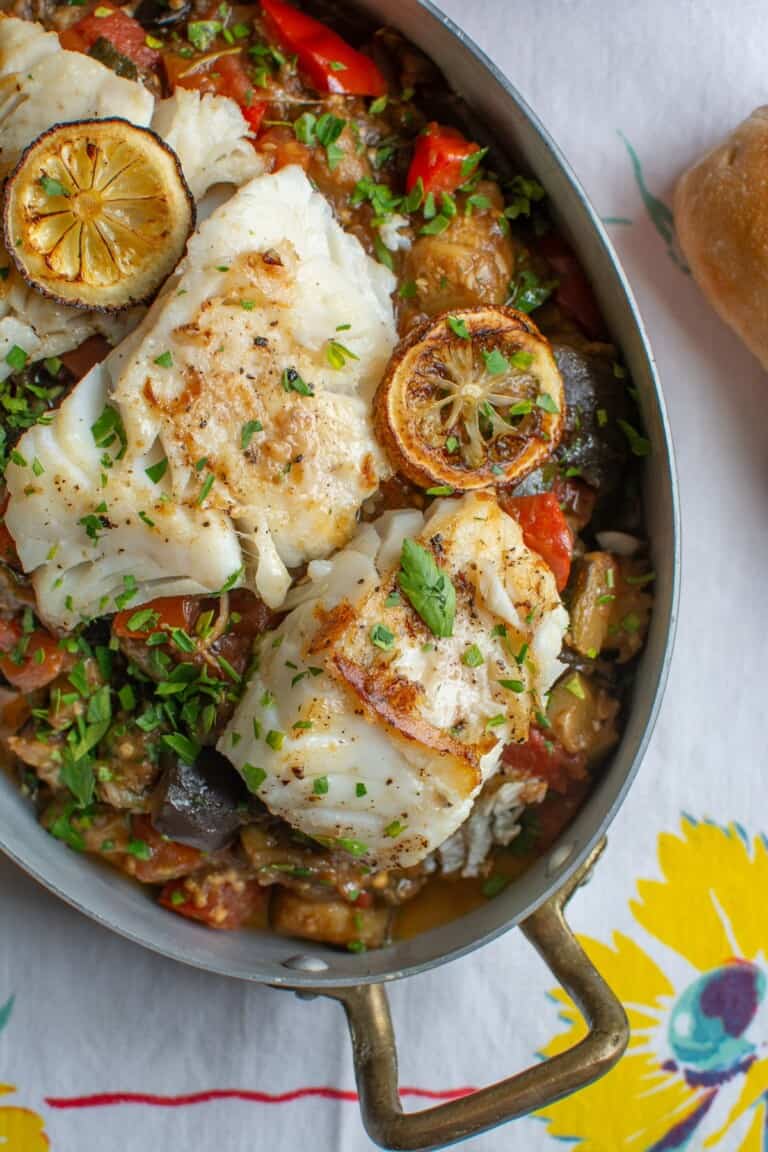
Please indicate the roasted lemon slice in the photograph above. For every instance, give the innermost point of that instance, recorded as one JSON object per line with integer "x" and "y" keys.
{"x": 97, "y": 214}
{"x": 471, "y": 399}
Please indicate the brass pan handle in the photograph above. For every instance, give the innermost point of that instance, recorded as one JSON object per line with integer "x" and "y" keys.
{"x": 375, "y": 1052}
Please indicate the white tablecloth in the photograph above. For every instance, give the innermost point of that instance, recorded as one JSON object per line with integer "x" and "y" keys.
{"x": 95, "y": 1018}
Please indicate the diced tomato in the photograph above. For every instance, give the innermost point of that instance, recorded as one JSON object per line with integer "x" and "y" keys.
{"x": 438, "y": 156}
{"x": 281, "y": 147}
{"x": 124, "y": 33}
{"x": 223, "y": 74}
{"x": 40, "y": 658}
{"x": 545, "y": 758}
{"x": 329, "y": 62}
{"x": 171, "y": 611}
{"x": 574, "y": 293}
{"x": 218, "y": 898}
{"x": 154, "y": 860}
{"x": 545, "y": 530}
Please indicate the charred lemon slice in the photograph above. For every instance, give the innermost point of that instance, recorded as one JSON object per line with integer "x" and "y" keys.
{"x": 97, "y": 214}
{"x": 471, "y": 399}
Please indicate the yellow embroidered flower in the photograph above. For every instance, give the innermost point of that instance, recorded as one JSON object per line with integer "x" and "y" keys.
{"x": 21, "y": 1130}
{"x": 694, "y": 986}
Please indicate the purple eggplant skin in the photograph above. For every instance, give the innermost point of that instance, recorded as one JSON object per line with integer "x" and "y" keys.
{"x": 203, "y": 804}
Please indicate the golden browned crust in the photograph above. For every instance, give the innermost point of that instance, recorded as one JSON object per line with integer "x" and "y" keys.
{"x": 721, "y": 218}
{"x": 393, "y": 699}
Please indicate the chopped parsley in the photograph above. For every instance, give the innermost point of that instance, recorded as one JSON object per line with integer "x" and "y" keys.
{"x": 108, "y": 429}
{"x": 360, "y": 789}
{"x": 206, "y": 488}
{"x": 513, "y": 685}
{"x": 576, "y": 688}
{"x": 254, "y": 776}
{"x": 527, "y": 291}
{"x": 338, "y": 354}
{"x": 495, "y": 362}
{"x": 164, "y": 360}
{"x": 639, "y": 444}
{"x": 248, "y": 431}
{"x": 458, "y": 327}
{"x": 547, "y": 403}
{"x": 156, "y": 471}
{"x": 394, "y": 829}
{"x": 472, "y": 657}
{"x": 202, "y": 33}
{"x": 382, "y": 637}
{"x": 16, "y": 358}
{"x": 494, "y": 884}
{"x": 52, "y": 187}
{"x": 320, "y": 786}
{"x": 292, "y": 382}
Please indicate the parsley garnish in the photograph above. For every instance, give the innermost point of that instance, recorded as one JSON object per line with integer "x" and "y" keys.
{"x": 292, "y": 382}
{"x": 382, "y": 637}
{"x": 337, "y": 354}
{"x": 472, "y": 656}
{"x": 495, "y": 362}
{"x": 639, "y": 445}
{"x": 528, "y": 291}
{"x": 16, "y": 358}
{"x": 53, "y": 187}
{"x": 429, "y": 590}
{"x": 248, "y": 431}
{"x": 164, "y": 360}
{"x": 458, "y": 327}
{"x": 254, "y": 777}
{"x": 206, "y": 488}
{"x": 156, "y": 471}
{"x": 547, "y": 403}
{"x": 109, "y": 428}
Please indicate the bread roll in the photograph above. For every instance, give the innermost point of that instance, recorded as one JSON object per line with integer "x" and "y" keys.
{"x": 721, "y": 218}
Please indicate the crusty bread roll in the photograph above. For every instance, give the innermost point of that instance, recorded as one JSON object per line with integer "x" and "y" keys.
{"x": 721, "y": 218}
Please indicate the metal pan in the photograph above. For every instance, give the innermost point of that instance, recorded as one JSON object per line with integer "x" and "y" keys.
{"x": 536, "y": 900}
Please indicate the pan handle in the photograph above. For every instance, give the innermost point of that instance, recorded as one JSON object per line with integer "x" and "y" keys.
{"x": 375, "y": 1052}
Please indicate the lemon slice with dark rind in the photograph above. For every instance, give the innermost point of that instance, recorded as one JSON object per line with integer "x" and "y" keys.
{"x": 471, "y": 399}
{"x": 97, "y": 214}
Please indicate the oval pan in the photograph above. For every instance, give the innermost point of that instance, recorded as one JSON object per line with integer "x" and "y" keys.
{"x": 119, "y": 904}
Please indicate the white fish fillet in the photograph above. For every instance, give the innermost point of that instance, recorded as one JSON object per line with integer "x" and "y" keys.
{"x": 211, "y": 138}
{"x": 42, "y": 84}
{"x": 175, "y": 550}
{"x": 267, "y": 281}
{"x": 401, "y": 753}
{"x": 225, "y": 507}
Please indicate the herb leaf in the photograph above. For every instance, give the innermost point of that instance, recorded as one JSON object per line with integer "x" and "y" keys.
{"x": 429, "y": 589}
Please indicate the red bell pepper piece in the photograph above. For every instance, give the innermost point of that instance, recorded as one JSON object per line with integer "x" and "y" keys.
{"x": 438, "y": 156}
{"x": 124, "y": 33}
{"x": 543, "y": 756}
{"x": 170, "y": 612}
{"x": 40, "y": 661}
{"x": 545, "y": 530}
{"x": 329, "y": 62}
